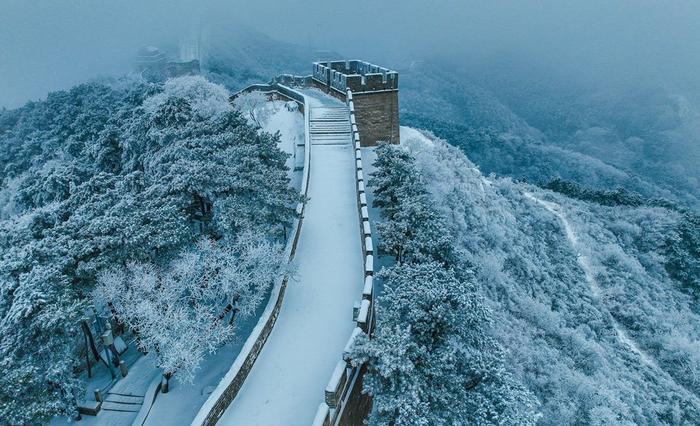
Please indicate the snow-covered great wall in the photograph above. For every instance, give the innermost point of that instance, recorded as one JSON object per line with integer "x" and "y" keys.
{"x": 231, "y": 383}
{"x": 343, "y": 394}
{"x": 295, "y": 366}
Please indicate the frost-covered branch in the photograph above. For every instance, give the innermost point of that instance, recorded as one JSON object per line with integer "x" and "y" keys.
{"x": 177, "y": 309}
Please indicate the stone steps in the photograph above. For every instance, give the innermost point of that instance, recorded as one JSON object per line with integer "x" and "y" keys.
{"x": 331, "y": 141}
{"x": 329, "y": 113}
{"x": 126, "y": 408}
{"x": 122, "y": 402}
{"x": 124, "y": 398}
{"x": 330, "y": 126}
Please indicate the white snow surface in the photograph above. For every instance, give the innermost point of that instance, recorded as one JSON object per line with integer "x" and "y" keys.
{"x": 284, "y": 117}
{"x": 585, "y": 264}
{"x": 286, "y": 383}
{"x": 181, "y": 404}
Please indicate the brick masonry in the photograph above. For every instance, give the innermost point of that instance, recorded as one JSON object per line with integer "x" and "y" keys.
{"x": 377, "y": 115}
{"x": 359, "y": 404}
{"x": 375, "y": 94}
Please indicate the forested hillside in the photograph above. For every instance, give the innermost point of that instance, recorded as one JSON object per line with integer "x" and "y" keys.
{"x": 432, "y": 360}
{"x": 643, "y": 139}
{"x": 584, "y": 288}
{"x": 162, "y": 193}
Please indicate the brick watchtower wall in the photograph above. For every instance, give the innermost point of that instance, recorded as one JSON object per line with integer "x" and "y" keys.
{"x": 375, "y": 92}
{"x": 377, "y": 117}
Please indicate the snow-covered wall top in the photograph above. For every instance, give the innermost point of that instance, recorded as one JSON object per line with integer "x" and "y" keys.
{"x": 231, "y": 383}
{"x": 358, "y": 76}
{"x": 344, "y": 402}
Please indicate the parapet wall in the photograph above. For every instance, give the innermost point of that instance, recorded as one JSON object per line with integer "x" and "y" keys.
{"x": 358, "y": 76}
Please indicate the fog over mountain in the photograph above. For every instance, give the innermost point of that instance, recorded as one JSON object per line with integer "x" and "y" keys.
{"x": 546, "y": 192}
{"x": 49, "y": 45}
{"x": 615, "y": 81}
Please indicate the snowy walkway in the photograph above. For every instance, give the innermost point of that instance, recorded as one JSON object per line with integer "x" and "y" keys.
{"x": 585, "y": 264}
{"x": 285, "y": 386}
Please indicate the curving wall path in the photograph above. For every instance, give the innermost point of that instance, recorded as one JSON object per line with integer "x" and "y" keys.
{"x": 284, "y": 386}
{"x": 302, "y": 339}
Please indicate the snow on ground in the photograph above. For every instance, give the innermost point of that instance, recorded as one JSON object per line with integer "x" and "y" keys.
{"x": 319, "y": 98}
{"x": 585, "y": 264}
{"x": 278, "y": 116}
{"x": 286, "y": 384}
{"x": 180, "y": 405}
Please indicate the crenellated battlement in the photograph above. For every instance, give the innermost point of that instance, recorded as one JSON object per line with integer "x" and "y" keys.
{"x": 358, "y": 76}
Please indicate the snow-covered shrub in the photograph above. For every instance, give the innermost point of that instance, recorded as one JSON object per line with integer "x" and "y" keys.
{"x": 185, "y": 310}
{"x": 206, "y": 99}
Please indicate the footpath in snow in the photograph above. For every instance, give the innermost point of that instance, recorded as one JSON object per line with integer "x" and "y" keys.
{"x": 585, "y": 264}
{"x": 286, "y": 383}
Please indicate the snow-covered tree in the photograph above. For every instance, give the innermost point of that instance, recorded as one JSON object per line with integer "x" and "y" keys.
{"x": 39, "y": 347}
{"x": 394, "y": 179}
{"x": 431, "y": 360}
{"x": 186, "y": 310}
{"x": 108, "y": 174}
{"x": 253, "y": 105}
{"x": 413, "y": 231}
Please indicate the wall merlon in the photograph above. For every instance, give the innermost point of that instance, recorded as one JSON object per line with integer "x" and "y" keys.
{"x": 357, "y": 75}
{"x": 368, "y": 289}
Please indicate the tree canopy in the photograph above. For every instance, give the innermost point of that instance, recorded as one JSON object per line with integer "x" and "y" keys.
{"x": 107, "y": 174}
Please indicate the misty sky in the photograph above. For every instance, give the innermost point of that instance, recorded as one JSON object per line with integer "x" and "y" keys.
{"x": 46, "y": 45}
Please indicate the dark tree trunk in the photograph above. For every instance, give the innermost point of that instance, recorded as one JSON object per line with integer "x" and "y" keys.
{"x": 165, "y": 383}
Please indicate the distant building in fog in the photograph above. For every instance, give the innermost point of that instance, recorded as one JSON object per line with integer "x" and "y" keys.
{"x": 153, "y": 61}
{"x": 150, "y": 58}
{"x": 189, "y": 47}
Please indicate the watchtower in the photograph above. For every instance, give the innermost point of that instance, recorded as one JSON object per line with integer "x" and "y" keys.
{"x": 375, "y": 93}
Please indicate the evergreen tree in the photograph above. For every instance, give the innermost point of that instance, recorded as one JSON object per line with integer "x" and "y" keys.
{"x": 413, "y": 230}
{"x": 393, "y": 180}
{"x": 431, "y": 360}
{"x": 106, "y": 175}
